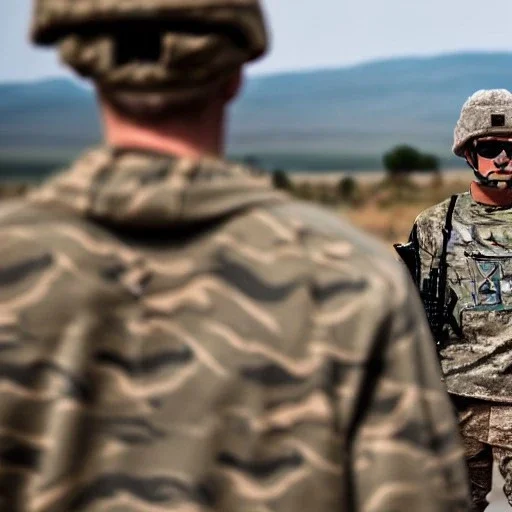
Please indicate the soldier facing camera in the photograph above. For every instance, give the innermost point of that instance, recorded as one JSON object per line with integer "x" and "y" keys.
{"x": 460, "y": 254}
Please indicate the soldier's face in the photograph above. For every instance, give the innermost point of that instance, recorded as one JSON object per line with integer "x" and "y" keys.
{"x": 494, "y": 157}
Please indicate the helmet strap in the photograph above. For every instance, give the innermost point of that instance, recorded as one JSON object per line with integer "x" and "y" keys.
{"x": 486, "y": 182}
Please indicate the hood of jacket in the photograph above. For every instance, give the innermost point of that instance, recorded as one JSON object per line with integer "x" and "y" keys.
{"x": 132, "y": 188}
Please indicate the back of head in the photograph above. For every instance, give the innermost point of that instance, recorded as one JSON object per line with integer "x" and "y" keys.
{"x": 149, "y": 57}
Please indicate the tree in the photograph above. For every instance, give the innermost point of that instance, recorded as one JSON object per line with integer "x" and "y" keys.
{"x": 281, "y": 180}
{"x": 404, "y": 159}
{"x": 347, "y": 189}
{"x": 429, "y": 163}
{"x": 401, "y": 160}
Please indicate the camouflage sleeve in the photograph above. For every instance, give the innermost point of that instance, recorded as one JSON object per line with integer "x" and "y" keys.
{"x": 422, "y": 248}
{"x": 406, "y": 453}
{"x": 427, "y": 238}
{"x": 427, "y": 232}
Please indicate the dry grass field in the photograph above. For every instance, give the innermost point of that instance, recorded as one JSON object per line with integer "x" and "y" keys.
{"x": 386, "y": 211}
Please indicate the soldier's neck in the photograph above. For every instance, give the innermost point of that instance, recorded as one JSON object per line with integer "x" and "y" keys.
{"x": 181, "y": 137}
{"x": 491, "y": 196}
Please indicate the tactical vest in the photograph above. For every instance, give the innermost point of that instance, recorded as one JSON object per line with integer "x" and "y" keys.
{"x": 476, "y": 354}
{"x": 467, "y": 294}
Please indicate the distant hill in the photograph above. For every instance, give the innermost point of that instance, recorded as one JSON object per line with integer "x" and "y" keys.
{"x": 325, "y": 119}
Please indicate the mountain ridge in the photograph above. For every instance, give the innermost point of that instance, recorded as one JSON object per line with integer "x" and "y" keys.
{"x": 340, "y": 116}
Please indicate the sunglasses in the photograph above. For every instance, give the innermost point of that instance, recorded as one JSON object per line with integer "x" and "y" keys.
{"x": 492, "y": 148}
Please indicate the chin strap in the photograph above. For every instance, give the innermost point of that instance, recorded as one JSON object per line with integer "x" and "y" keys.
{"x": 499, "y": 184}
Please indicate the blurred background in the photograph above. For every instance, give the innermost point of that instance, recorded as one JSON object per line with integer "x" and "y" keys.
{"x": 354, "y": 107}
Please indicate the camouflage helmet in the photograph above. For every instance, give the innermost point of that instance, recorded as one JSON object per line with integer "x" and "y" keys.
{"x": 486, "y": 113}
{"x": 153, "y": 55}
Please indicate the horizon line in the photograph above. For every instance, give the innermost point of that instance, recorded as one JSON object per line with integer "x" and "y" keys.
{"x": 295, "y": 71}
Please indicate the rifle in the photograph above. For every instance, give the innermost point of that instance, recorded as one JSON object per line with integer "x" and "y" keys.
{"x": 433, "y": 288}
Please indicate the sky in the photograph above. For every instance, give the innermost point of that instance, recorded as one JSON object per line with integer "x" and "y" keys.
{"x": 312, "y": 34}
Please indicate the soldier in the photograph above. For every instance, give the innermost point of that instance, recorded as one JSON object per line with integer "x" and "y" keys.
{"x": 460, "y": 253}
{"x": 178, "y": 336}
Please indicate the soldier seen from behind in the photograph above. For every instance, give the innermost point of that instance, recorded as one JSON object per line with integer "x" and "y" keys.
{"x": 176, "y": 335}
{"x": 460, "y": 253}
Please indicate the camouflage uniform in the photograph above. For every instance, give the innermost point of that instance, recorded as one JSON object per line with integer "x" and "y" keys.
{"x": 474, "y": 336}
{"x": 474, "y": 348}
{"x": 178, "y": 336}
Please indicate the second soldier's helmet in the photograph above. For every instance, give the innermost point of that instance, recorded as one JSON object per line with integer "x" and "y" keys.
{"x": 486, "y": 113}
{"x": 153, "y": 55}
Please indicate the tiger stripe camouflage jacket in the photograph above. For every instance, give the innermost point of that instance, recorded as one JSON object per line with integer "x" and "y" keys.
{"x": 177, "y": 336}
